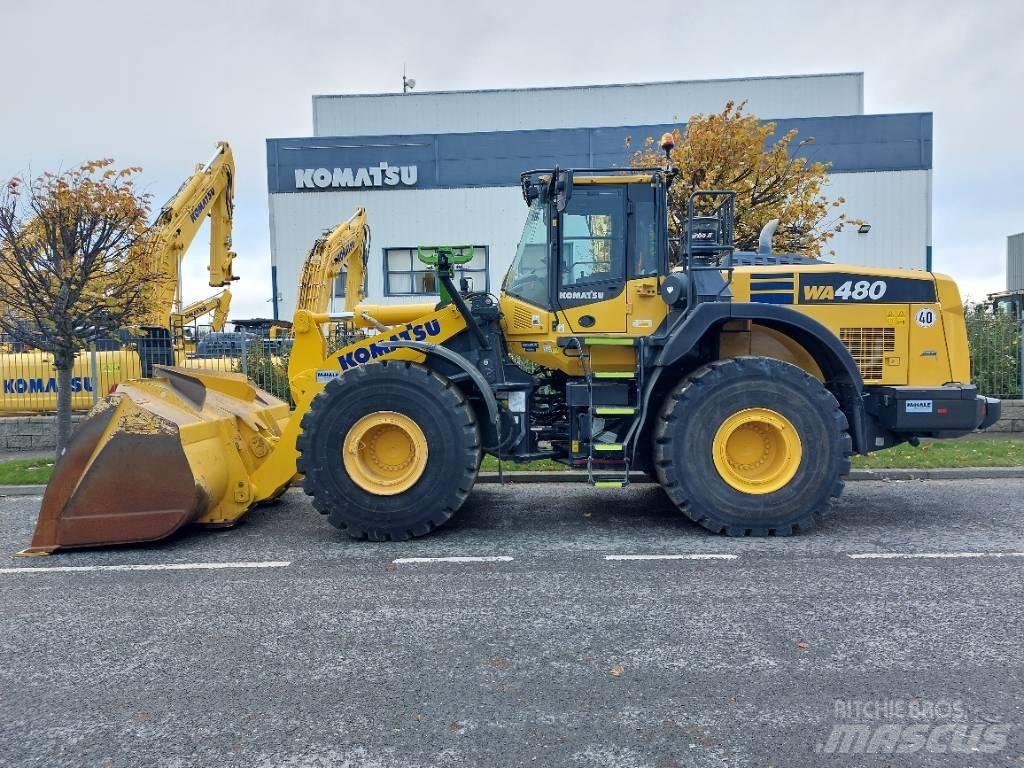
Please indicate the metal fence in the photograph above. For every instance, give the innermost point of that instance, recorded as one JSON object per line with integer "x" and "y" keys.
{"x": 30, "y": 382}
{"x": 996, "y": 365}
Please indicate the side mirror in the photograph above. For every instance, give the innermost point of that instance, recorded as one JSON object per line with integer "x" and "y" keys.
{"x": 563, "y": 190}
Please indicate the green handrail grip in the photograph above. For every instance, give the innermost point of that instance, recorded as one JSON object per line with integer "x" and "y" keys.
{"x": 609, "y": 341}
{"x": 457, "y": 254}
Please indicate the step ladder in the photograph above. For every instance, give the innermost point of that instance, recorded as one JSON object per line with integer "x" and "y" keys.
{"x": 613, "y": 458}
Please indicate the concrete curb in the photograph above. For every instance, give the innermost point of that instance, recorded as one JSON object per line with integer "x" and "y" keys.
{"x": 22, "y": 490}
{"x": 573, "y": 476}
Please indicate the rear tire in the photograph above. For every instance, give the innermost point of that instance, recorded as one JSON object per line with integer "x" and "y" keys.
{"x": 782, "y": 484}
{"x": 423, "y": 404}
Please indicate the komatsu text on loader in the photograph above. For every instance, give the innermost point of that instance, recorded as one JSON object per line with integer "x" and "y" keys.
{"x": 743, "y": 382}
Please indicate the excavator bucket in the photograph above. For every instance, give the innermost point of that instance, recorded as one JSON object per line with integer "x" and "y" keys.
{"x": 159, "y": 454}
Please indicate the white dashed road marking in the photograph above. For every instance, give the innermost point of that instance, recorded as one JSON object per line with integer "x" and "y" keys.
{"x": 671, "y": 557}
{"x": 926, "y": 555}
{"x": 414, "y": 560}
{"x": 153, "y": 567}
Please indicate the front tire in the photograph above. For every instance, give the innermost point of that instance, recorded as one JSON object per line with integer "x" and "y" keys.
{"x": 751, "y": 446}
{"x": 389, "y": 451}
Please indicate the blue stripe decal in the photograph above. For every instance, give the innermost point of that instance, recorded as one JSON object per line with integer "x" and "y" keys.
{"x": 772, "y": 298}
{"x": 777, "y": 285}
{"x": 850, "y": 144}
{"x": 771, "y": 276}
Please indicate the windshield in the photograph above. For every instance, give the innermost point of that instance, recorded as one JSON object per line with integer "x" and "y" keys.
{"x": 527, "y": 278}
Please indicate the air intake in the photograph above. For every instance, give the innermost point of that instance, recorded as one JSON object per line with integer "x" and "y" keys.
{"x": 868, "y": 347}
{"x": 521, "y": 319}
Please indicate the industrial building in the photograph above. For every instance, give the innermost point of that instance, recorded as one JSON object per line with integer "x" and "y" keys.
{"x": 1015, "y": 262}
{"x": 443, "y": 167}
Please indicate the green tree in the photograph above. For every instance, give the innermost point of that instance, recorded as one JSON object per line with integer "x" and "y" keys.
{"x": 734, "y": 150}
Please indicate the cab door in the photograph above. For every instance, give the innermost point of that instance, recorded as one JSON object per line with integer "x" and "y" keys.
{"x": 590, "y": 294}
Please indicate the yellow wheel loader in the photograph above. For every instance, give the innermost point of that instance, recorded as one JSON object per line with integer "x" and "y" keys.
{"x": 742, "y": 381}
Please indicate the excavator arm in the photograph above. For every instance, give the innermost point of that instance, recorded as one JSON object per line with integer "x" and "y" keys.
{"x": 207, "y": 193}
{"x": 219, "y": 304}
{"x": 344, "y": 248}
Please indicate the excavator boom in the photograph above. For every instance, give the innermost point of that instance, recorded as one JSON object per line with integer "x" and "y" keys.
{"x": 207, "y": 193}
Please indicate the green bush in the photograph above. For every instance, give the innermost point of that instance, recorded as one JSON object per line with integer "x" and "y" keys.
{"x": 268, "y": 372}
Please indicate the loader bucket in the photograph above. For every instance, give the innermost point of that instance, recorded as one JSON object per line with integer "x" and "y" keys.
{"x": 157, "y": 455}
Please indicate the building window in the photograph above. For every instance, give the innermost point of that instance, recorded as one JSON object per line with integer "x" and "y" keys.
{"x": 405, "y": 275}
{"x": 339, "y": 284}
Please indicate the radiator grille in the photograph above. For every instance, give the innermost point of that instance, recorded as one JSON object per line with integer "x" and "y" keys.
{"x": 521, "y": 318}
{"x": 868, "y": 347}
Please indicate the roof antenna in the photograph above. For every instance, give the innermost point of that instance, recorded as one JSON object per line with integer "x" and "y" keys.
{"x": 407, "y": 82}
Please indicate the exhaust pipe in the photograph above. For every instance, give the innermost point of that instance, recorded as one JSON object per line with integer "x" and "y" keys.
{"x": 764, "y": 240}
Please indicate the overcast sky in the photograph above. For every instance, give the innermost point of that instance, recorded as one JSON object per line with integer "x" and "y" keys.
{"x": 157, "y": 84}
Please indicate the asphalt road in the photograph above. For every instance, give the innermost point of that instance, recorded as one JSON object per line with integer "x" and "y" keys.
{"x": 778, "y": 652}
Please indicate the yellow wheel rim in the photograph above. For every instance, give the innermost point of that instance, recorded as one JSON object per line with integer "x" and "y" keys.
{"x": 757, "y": 451}
{"x": 385, "y": 453}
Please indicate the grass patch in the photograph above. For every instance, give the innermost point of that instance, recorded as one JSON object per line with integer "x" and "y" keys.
{"x": 490, "y": 464}
{"x": 25, "y": 471}
{"x": 939, "y": 454}
{"x": 931, "y": 455}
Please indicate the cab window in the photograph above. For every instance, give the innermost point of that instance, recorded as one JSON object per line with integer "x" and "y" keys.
{"x": 527, "y": 278}
{"x": 644, "y": 224}
{"x": 594, "y": 236}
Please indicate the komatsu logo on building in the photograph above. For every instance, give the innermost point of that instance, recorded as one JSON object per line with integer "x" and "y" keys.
{"x": 380, "y": 175}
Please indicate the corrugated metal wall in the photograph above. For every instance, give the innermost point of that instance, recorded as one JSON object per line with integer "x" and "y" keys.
{"x": 583, "y": 106}
{"x": 896, "y": 204}
{"x": 1015, "y": 262}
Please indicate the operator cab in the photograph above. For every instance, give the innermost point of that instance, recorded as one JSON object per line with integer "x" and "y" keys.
{"x": 595, "y": 252}
{"x": 587, "y": 234}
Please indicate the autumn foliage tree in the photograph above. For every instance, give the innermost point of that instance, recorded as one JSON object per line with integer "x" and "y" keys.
{"x": 772, "y": 179}
{"x": 73, "y": 266}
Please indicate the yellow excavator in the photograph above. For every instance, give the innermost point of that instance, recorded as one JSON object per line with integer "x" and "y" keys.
{"x": 219, "y": 304}
{"x": 207, "y": 194}
{"x": 28, "y": 379}
{"x": 742, "y": 382}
